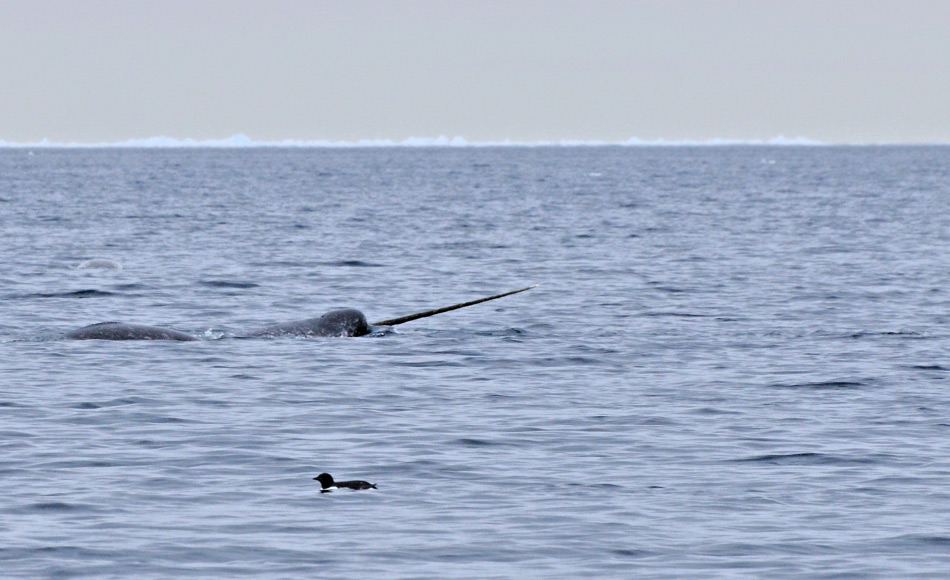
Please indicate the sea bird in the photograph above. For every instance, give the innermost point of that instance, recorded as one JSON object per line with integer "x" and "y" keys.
{"x": 327, "y": 483}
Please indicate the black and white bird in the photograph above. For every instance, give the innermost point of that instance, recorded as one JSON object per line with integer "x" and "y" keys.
{"x": 327, "y": 483}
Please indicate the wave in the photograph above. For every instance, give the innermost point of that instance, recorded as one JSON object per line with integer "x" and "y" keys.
{"x": 243, "y": 141}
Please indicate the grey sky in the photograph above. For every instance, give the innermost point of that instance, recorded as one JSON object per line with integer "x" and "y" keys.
{"x": 830, "y": 70}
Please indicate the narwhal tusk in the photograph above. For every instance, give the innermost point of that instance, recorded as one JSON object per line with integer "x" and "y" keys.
{"x": 418, "y": 315}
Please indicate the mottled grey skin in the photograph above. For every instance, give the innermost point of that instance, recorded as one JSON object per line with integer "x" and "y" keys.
{"x": 99, "y": 263}
{"x": 122, "y": 331}
{"x": 342, "y": 322}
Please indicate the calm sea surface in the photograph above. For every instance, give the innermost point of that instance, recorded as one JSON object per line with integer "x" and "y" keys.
{"x": 735, "y": 364}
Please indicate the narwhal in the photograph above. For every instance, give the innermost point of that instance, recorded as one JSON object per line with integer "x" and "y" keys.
{"x": 341, "y": 322}
{"x": 123, "y": 331}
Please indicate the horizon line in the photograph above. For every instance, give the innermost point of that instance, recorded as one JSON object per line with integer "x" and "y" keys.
{"x": 241, "y": 140}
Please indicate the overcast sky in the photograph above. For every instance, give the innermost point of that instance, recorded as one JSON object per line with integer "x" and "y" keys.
{"x": 858, "y": 71}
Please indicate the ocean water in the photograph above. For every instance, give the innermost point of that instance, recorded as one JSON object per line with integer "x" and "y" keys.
{"x": 735, "y": 364}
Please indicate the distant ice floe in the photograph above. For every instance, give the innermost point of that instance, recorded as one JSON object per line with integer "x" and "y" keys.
{"x": 243, "y": 141}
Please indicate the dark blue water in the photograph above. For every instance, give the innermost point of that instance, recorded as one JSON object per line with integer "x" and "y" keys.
{"x": 735, "y": 365}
